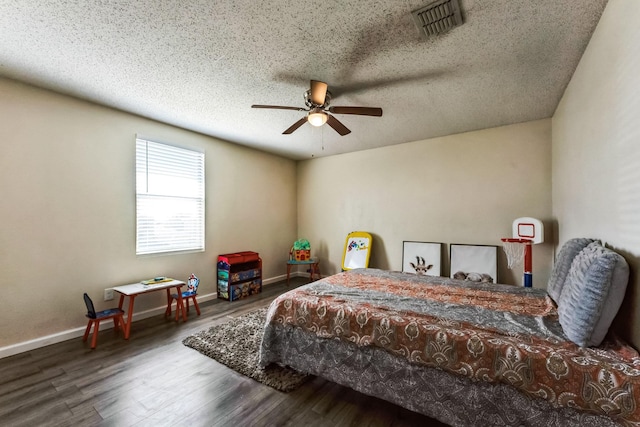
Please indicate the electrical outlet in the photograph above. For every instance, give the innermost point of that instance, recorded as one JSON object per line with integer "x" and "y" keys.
{"x": 108, "y": 294}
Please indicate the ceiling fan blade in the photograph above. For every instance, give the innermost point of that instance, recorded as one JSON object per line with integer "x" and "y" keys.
{"x": 361, "y": 111}
{"x": 295, "y": 126}
{"x": 279, "y": 107}
{"x": 337, "y": 125}
{"x": 318, "y": 92}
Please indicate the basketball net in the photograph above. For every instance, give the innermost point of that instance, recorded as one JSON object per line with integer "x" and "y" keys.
{"x": 515, "y": 250}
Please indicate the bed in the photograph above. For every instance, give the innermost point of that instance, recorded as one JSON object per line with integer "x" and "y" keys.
{"x": 464, "y": 353}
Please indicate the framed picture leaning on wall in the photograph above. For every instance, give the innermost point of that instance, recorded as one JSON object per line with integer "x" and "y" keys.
{"x": 424, "y": 258}
{"x": 476, "y": 263}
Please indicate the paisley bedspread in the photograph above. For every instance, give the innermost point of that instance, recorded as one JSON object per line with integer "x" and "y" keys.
{"x": 486, "y": 333}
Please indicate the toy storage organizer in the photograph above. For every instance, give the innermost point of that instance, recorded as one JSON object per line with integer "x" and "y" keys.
{"x": 239, "y": 275}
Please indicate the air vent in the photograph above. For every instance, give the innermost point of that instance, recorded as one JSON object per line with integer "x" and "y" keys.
{"x": 437, "y": 17}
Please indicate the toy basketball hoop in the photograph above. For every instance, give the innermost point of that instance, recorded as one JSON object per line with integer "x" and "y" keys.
{"x": 526, "y": 232}
{"x": 515, "y": 249}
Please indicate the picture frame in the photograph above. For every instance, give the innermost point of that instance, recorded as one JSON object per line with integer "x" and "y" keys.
{"x": 422, "y": 258}
{"x": 476, "y": 263}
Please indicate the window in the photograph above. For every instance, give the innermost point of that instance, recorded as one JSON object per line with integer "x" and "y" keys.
{"x": 169, "y": 198}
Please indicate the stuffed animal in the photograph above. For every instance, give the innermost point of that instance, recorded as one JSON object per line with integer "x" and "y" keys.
{"x": 473, "y": 277}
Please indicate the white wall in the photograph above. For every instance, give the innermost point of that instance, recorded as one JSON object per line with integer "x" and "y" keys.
{"x": 465, "y": 188}
{"x": 67, "y": 209}
{"x": 596, "y": 148}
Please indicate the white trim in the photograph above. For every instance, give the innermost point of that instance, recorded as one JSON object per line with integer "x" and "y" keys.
{"x": 69, "y": 334}
{"x": 280, "y": 278}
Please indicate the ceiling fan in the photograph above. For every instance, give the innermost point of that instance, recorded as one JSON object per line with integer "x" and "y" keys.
{"x": 317, "y": 100}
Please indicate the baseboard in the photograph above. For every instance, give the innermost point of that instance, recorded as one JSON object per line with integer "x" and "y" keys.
{"x": 69, "y": 334}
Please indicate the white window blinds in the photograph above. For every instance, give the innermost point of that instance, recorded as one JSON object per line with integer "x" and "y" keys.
{"x": 169, "y": 198}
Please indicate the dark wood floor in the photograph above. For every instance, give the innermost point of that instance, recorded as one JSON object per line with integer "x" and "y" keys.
{"x": 154, "y": 380}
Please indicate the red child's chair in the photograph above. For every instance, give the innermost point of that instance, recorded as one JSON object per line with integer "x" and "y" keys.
{"x": 96, "y": 318}
{"x": 189, "y": 294}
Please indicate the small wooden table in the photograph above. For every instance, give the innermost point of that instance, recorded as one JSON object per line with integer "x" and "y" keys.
{"x": 313, "y": 263}
{"x": 135, "y": 289}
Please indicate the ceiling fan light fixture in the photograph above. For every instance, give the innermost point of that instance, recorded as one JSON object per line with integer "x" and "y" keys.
{"x": 317, "y": 99}
{"x": 317, "y": 117}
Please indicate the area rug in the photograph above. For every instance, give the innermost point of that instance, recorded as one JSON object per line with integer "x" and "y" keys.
{"x": 237, "y": 344}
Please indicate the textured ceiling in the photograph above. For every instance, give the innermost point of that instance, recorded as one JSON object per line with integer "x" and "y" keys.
{"x": 202, "y": 64}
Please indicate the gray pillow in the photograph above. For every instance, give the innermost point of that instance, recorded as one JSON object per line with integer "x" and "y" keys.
{"x": 562, "y": 265}
{"x": 592, "y": 294}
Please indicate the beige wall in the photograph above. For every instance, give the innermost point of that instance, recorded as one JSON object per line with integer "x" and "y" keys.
{"x": 465, "y": 188}
{"x": 67, "y": 209}
{"x": 596, "y": 148}
{"x": 67, "y": 203}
